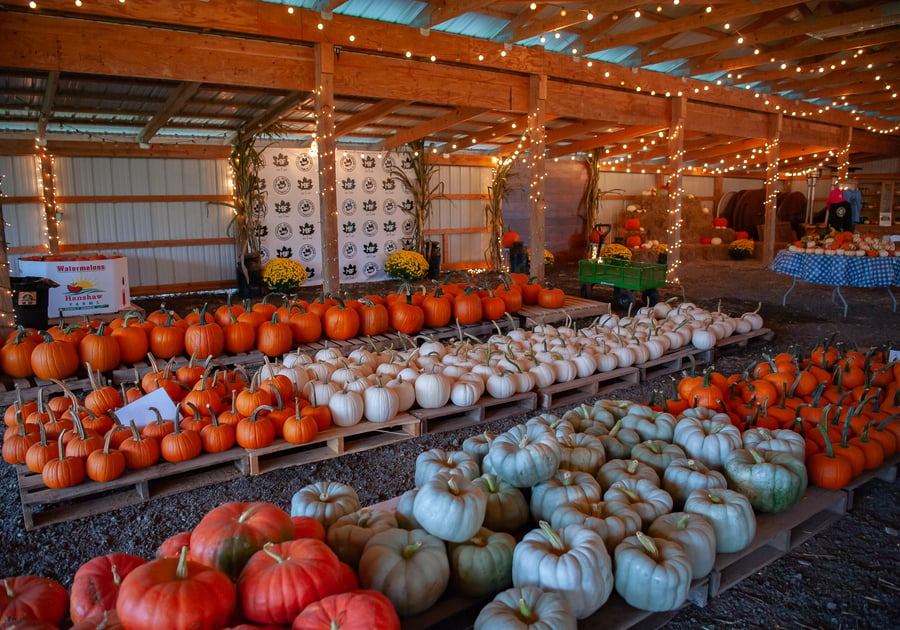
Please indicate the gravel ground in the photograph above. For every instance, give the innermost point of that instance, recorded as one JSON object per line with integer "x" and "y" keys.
{"x": 845, "y": 577}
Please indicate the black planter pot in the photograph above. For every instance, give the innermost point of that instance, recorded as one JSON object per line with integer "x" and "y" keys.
{"x": 249, "y": 276}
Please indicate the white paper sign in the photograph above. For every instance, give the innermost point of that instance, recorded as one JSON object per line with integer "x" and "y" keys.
{"x": 140, "y": 412}
{"x": 894, "y": 356}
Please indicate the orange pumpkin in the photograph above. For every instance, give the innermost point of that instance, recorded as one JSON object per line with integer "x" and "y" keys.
{"x": 633, "y": 241}
{"x": 509, "y": 238}
{"x": 632, "y": 225}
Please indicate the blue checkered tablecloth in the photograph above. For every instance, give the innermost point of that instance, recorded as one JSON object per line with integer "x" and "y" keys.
{"x": 844, "y": 271}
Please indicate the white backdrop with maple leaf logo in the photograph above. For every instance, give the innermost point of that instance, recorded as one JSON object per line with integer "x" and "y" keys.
{"x": 371, "y": 220}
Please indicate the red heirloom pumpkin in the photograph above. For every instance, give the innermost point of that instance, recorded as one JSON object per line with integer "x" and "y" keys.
{"x": 632, "y": 225}
{"x": 228, "y": 535}
{"x": 282, "y": 579}
{"x": 171, "y": 546}
{"x": 720, "y": 222}
{"x": 633, "y": 241}
{"x": 108, "y": 620}
{"x": 308, "y": 527}
{"x": 705, "y": 240}
{"x": 33, "y": 598}
{"x": 741, "y": 235}
{"x": 171, "y": 593}
{"x": 356, "y": 610}
{"x": 95, "y": 587}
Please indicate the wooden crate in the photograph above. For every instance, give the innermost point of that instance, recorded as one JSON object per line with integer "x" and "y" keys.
{"x": 451, "y": 417}
{"x": 674, "y": 361}
{"x": 137, "y": 486}
{"x": 777, "y": 534}
{"x": 332, "y": 442}
{"x": 580, "y": 389}
{"x": 739, "y": 341}
{"x": 573, "y": 308}
{"x": 886, "y": 472}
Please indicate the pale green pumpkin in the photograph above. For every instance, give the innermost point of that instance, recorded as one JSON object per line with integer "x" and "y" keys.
{"x": 325, "y": 501}
{"x": 572, "y": 561}
{"x": 450, "y": 507}
{"x": 437, "y": 460}
{"x": 773, "y": 482}
{"x": 410, "y": 568}
{"x": 779, "y": 440}
{"x": 695, "y": 535}
{"x": 478, "y": 445}
{"x": 507, "y": 510}
{"x": 581, "y": 452}
{"x": 613, "y": 520}
{"x": 619, "y": 441}
{"x": 648, "y": 500}
{"x": 657, "y": 454}
{"x": 524, "y": 455}
{"x": 683, "y": 476}
{"x": 730, "y": 514}
{"x": 650, "y": 424}
{"x": 404, "y": 512}
{"x": 710, "y": 441}
{"x": 527, "y": 608}
{"x": 617, "y": 469}
{"x": 562, "y": 487}
{"x": 652, "y": 573}
{"x": 482, "y": 565}
{"x": 348, "y": 535}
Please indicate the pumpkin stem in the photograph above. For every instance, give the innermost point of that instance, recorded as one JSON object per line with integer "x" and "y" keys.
{"x": 410, "y": 550}
{"x": 648, "y": 544}
{"x": 268, "y": 549}
{"x": 10, "y": 593}
{"x": 552, "y": 537}
{"x": 247, "y": 514}
{"x": 524, "y": 611}
{"x": 757, "y": 458}
{"x": 181, "y": 571}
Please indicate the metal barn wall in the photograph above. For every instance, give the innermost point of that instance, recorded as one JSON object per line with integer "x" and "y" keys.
{"x": 111, "y": 204}
{"x": 23, "y": 210}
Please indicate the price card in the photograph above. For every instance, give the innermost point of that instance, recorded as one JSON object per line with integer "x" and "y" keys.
{"x": 140, "y": 411}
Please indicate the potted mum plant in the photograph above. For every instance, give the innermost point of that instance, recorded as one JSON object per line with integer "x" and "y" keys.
{"x": 284, "y": 275}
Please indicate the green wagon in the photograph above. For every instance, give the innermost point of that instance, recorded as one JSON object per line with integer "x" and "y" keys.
{"x": 625, "y": 276}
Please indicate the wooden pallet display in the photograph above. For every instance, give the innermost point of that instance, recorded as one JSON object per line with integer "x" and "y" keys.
{"x": 886, "y": 472}
{"x": 580, "y": 389}
{"x": 674, "y": 361}
{"x": 331, "y": 443}
{"x": 451, "y": 417}
{"x": 136, "y": 486}
{"x": 740, "y": 341}
{"x": 777, "y": 534}
{"x": 573, "y": 308}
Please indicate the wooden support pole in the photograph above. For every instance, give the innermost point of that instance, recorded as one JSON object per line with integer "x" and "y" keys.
{"x": 772, "y": 146}
{"x": 537, "y": 97}
{"x": 843, "y": 161}
{"x": 676, "y": 187}
{"x": 324, "y": 97}
{"x": 49, "y": 185}
{"x": 7, "y": 317}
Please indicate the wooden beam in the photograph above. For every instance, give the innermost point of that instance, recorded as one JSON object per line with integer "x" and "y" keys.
{"x": 513, "y": 127}
{"x": 725, "y": 149}
{"x": 675, "y": 220}
{"x": 7, "y": 315}
{"x": 692, "y": 22}
{"x": 424, "y": 130}
{"x": 269, "y": 117}
{"x": 434, "y": 14}
{"x": 324, "y": 100}
{"x": 576, "y": 129}
{"x": 800, "y": 80}
{"x": 69, "y": 148}
{"x": 373, "y": 113}
{"x": 537, "y": 171}
{"x": 771, "y": 206}
{"x": 47, "y": 105}
{"x": 773, "y": 33}
{"x": 181, "y": 95}
{"x": 48, "y": 184}
{"x": 559, "y": 21}
{"x": 607, "y": 139}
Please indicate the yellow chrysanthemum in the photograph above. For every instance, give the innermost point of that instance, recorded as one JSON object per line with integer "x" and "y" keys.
{"x": 284, "y": 275}
{"x": 614, "y": 250}
{"x": 406, "y": 265}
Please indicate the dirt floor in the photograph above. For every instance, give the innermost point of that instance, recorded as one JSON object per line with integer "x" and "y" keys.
{"x": 844, "y": 577}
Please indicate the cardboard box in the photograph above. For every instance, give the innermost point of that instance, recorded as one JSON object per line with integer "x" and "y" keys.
{"x": 85, "y": 286}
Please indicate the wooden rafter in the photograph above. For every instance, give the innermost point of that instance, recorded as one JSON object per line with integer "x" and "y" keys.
{"x": 181, "y": 95}
{"x": 373, "y": 113}
{"x": 47, "y": 103}
{"x": 841, "y": 66}
{"x": 271, "y": 116}
{"x": 435, "y": 125}
{"x": 847, "y": 89}
{"x": 571, "y": 18}
{"x": 513, "y": 127}
{"x": 623, "y": 135}
{"x": 576, "y": 129}
{"x": 435, "y": 13}
{"x": 735, "y": 148}
{"x": 692, "y": 22}
{"x": 595, "y": 30}
{"x": 693, "y": 141}
{"x": 772, "y": 33}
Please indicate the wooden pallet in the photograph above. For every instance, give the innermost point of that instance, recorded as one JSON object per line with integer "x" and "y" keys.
{"x": 331, "y": 443}
{"x": 452, "y": 417}
{"x": 90, "y": 497}
{"x": 674, "y": 361}
{"x": 777, "y": 534}
{"x": 580, "y": 389}
{"x": 573, "y": 308}
{"x": 886, "y": 472}
{"x": 740, "y": 341}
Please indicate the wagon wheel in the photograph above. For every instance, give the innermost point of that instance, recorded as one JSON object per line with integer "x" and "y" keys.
{"x": 623, "y": 299}
{"x": 650, "y": 297}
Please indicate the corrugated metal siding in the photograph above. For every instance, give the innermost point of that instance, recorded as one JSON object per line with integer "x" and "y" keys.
{"x": 24, "y": 221}
{"x": 461, "y": 213}
{"x": 880, "y": 167}
{"x": 130, "y": 221}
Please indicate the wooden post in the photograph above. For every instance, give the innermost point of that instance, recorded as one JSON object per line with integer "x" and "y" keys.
{"x": 7, "y": 317}
{"x": 324, "y": 97}
{"x": 537, "y": 97}
{"x": 49, "y": 186}
{"x": 718, "y": 185}
{"x": 843, "y": 157}
{"x": 676, "y": 187}
{"x": 771, "y": 194}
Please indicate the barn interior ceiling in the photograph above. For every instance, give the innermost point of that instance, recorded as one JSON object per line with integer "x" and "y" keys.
{"x": 64, "y": 78}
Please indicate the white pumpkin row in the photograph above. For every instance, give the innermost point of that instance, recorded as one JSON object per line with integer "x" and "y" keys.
{"x": 604, "y": 525}
{"x": 377, "y": 385}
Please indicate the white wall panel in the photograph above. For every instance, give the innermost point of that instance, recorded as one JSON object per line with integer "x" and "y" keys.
{"x": 461, "y": 213}
{"x": 699, "y": 186}
{"x": 20, "y": 177}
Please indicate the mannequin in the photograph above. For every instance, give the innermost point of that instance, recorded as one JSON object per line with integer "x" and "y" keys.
{"x": 840, "y": 212}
